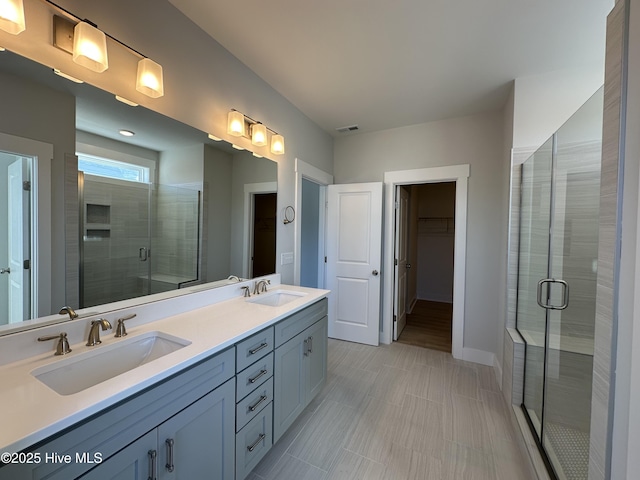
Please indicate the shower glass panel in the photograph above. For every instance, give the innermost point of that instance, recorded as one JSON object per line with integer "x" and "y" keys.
{"x": 533, "y": 265}
{"x": 137, "y": 239}
{"x": 574, "y": 253}
{"x": 557, "y": 287}
{"x": 176, "y": 231}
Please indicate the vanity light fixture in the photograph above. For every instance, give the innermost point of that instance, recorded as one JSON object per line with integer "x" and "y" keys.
{"x": 235, "y": 123}
{"x": 238, "y": 123}
{"x": 126, "y": 101}
{"x": 258, "y": 134}
{"x": 12, "y": 16}
{"x": 67, "y": 76}
{"x": 127, "y": 133}
{"x": 277, "y": 144}
{"x": 90, "y": 47}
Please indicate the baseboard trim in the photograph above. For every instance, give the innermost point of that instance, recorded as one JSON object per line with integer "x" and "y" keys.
{"x": 478, "y": 356}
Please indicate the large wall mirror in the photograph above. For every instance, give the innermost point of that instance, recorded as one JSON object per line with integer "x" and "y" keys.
{"x": 132, "y": 216}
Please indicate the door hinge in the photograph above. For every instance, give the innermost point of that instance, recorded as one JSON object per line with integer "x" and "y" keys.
{"x": 396, "y": 205}
{"x": 396, "y": 262}
{"x": 395, "y": 318}
{"x": 325, "y": 259}
{"x": 26, "y": 264}
{"x": 26, "y": 186}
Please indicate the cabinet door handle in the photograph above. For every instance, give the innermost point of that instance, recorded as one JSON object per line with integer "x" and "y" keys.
{"x": 310, "y": 344}
{"x": 261, "y": 374}
{"x": 153, "y": 464}
{"x": 257, "y": 349}
{"x": 253, "y": 446}
{"x": 306, "y": 347}
{"x": 252, "y": 408}
{"x": 169, "y": 465}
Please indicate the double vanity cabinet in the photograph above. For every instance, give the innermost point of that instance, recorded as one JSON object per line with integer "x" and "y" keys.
{"x": 214, "y": 420}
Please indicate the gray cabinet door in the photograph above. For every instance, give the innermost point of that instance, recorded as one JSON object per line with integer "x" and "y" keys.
{"x": 199, "y": 442}
{"x": 134, "y": 462}
{"x": 289, "y": 384}
{"x": 316, "y": 359}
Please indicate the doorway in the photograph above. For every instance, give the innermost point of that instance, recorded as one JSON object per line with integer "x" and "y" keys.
{"x": 15, "y": 243}
{"x": 264, "y": 234}
{"x": 458, "y": 174}
{"x": 424, "y": 264}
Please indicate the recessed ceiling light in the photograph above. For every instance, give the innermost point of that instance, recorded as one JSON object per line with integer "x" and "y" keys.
{"x": 127, "y": 133}
{"x": 2, "y": 49}
{"x": 237, "y": 147}
{"x": 214, "y": 138}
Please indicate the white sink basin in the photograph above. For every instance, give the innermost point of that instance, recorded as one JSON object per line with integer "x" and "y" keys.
{"x": 77, "y": 373}
{"x": 276, "y": 298}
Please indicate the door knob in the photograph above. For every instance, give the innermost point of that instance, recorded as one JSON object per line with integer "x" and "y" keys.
{"x": 408, "y": 265}
{"x": 5, "y": 270}
{"x": 375, "y": 273}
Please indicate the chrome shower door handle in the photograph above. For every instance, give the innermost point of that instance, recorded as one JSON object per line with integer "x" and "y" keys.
{"x": 142, "y": 254}
{"x": 565, "y": 294}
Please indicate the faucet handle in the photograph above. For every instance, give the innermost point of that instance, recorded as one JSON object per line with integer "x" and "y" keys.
{"x": 62, "y": 347}
{"x": 121, "y": 331}
{"x": 247, "y": 291}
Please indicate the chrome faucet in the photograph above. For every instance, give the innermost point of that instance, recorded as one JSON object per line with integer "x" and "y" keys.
{"x": 68, "y": 310}
{"x": 94, "y": 332}
{"x": 261, "y": 286}
{"x": 234, "y": 277}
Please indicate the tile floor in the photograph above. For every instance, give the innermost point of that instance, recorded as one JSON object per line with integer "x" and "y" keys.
{"x": 400, "y": 412}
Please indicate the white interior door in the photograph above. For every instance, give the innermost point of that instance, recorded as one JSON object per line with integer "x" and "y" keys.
{"x": 401, "y": 264}
{"x": 19, "y": 251}
{"x": 354, "y": 241}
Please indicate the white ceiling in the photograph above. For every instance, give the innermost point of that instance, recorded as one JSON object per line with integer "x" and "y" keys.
{"x": 383, "y": 64}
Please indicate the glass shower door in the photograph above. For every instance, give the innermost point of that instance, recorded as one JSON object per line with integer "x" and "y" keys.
{"x": 574, "y": 253}
{"x": 557, "y": 280}
{"x": 535, "y": 218}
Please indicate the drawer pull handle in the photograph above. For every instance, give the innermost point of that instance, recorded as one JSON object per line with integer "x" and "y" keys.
{"x": 253, "y": 446}
{"x": 252, "y": 408}
{"x": 310, "y": 344}
{"x": 258, "y": 348}
{"x": 261, "y": 374}
{"x": 170, "y": 467}
{"x": 152, "y": 464}
{"x": 306, "y": 347}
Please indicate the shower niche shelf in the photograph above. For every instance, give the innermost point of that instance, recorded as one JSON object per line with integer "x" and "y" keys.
{"x": 97, "y": 221}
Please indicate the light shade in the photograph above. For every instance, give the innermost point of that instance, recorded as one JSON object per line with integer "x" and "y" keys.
{"x": 90, "y": 47}
{"x": 277, "y": 144}
{"x": 12, "y": 16}
{"x": 235, "y": 125}
{"x": 149, "y": 79}
{"x": 258, "y": 135}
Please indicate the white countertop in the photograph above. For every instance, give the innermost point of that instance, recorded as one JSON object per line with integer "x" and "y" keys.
{"x": 33, "y": 412}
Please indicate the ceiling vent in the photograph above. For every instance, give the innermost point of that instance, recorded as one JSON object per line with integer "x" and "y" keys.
{"x": 350, "y": 128}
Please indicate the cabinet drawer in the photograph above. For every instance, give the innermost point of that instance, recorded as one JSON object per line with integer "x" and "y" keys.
{"x": 253, "y": 348}
{"x": 296, "y": 323}
{"x": 253, "y": 404}
{"x": 254, "y": 376}
{"x": 253, "y": 442}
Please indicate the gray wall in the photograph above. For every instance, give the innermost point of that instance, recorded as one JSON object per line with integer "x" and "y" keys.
{"x": 475, "y": 140}
{"x": 45, "y": 115}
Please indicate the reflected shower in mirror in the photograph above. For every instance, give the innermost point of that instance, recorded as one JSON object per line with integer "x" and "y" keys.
{"x": 158, "y": 210}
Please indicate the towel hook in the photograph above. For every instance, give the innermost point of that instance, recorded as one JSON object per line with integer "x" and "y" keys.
{"x": 286, "y": 215}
